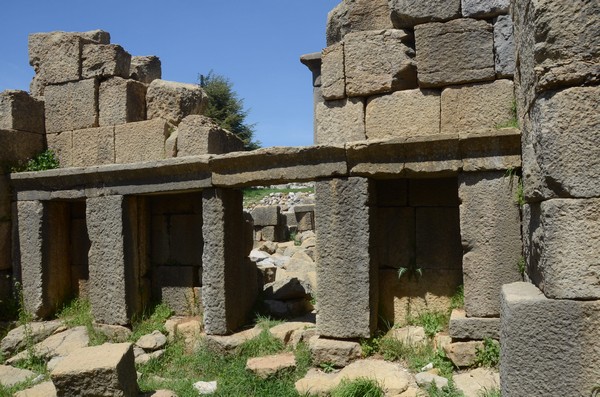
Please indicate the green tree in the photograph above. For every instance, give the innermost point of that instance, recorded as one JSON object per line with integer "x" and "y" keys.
{"x": 227, "y": 109}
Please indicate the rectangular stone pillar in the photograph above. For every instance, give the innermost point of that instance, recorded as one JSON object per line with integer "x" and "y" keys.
{"x": 491, "y": 239}
{"x": 229, "y": 280}
{"x": 548, "y": 347}
{"x": 43, "y": 233}
{"x": 347, "y": 291}
{"x": 114, "y": 274}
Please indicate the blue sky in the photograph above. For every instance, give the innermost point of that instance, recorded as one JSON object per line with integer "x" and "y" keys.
{"x": 256, "y": 44}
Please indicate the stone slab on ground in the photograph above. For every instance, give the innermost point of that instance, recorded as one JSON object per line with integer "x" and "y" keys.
{"x": 58, "y": 345}
{"x": 228, "y": 343}
{"x": 463, "y": 354}
{"x": 267, "y": 366}
{"x": 473, "y": 383}
{"x": 285, "y": 332}
{"x": 36, "y": 332}
{"x": 548, "y": 347}
{"x": 339, "y": 353}
{"x": 409, "y": 335}
{"x": 103, "y": 370}
{"x": 153, "y": 341}
{"x": 45, "y": 389}
{"x": 10, "y": 376}
{"x": 425, "y": 379}
{"x": 463, "y": 327}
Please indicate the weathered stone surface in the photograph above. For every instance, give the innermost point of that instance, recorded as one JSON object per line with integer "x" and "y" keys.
{"x": 484, "y": 8}
{"x": 71, "y": 106}
{"x": 20, "y": 111}
{"x": 285, "y": 331}
{"x": 557, "y": 45}
{"x": 15, "y": 341}
{"x": 62, "y": 146}
{"x": 92, "y": 146}
{"x": 492, "y": 150}
{"x": 403, "y": 113}
{"x": 408, "y": 13}
{"x": 114, "y": 333}
{"x": 275, "y": 165}
{"x": 58, "y": 345}
{"x": 197, "y": 135}
{"x": 45, "y": 389}
{"x": 561, "y": 145}
{"x": 55, "y": 57}
{"x": 456, "y": 52}
{"x": 378, "y": 62}
{"x": 228, "y": 343}
{"x": 174, "y": 101}
{"x": 491, "y": 239}
{"x": 266, "y": 215}
{"x": 355, "y": 16}
{"x": 340, "y": 121}
{"x": 504, "y": 46}
{"x": 144, "y": 358}
{"x": 561, "y": 247}
{"x": 342, "y": 243}
{"x": 477, "y": 381}
{"x": 104, "y": 60}
{"x": 229, "y": 284}
{"x": 267, "y": 366}
{"x": 410, "y": 335}
{"x": 463, "y": 327}
{"x": 141, "y": 141}
{"x": 463, "y": 354}
{"x": 145, "y": 69}
{"x": 548, "y": 347}
{"x": 424, "y": 379}
{"x": 106, "y": 370}
{"x": 10, "y": 376}
{"x": 333, "y": 78}
{"x": 336, "y": 352}
{"x": 121, "y": 101}
{"x": 19, "y": 146}
{"x": 477, "y": 107}
{"x": 292, "y": 288}
{"x": 151, "y": 342}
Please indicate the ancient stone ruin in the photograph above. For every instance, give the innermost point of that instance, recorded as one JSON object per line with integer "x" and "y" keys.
{"x": 427, "y": 116}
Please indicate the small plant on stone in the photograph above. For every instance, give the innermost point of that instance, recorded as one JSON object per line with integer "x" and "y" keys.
{"x": 412, "y": 270}
{"x": 263, "y": 345}
{"x": 432, "y": 321}
{"x": 79, "y": 313}
{"x": 32, "y": 360}
{"x": 370, "y": 346}
{"x": 446, "y": 391}
{"x": 493, "y": 392}
{"x": 513, "y": 122}
{"x": 458, "y": 299}
{"x": 519, "y": 194}
{"x": 327, "y": 367}
{"x": 489, "y": 355}
{"x": 361, "y": 387}
{"x": 151, "y": 320}
{"x": 44, "y": 161}
{"x": 521, "y": 266}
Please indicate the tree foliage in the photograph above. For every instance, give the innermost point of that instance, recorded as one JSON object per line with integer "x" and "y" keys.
{"x": 227, "y": 109}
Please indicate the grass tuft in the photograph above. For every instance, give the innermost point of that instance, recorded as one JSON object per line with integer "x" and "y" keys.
{"x": 361, "y": 387}
{"x": 447, "y": 391}
{"x": 432, "y": 321}
{"x": 79, "y": 313}
{"x": 152, "y": 320}
{"x": 489, "y": 356}
{"x": 416, "y": 356}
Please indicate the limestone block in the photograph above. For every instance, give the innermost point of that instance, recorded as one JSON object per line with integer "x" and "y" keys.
{"x": 229, "y": 282}
{"x": 557, "y": 45}
{"x": 463, "y": 354}
{"x": 20, "y": 111}
{"x": 433, "y": 192}
{"x": 340, "y": 121}
{"x": 463, "y": 327}
{"x": 10, "y": 376}
{"x": 504, "y": 47}
{"x": 333, "y": 78}
{"x": 55, "y": 57}
{"x": 121, "y": 101}
{"x": 337, "y": 352}
{"x": 104, "y": 60}
{"x": 403, "y": 113}
{"x": 145, "y": 69}
{"x": 346, "y": 271}
{"x": 379, "y": 61}
{"x": 197, "y": 135}
{"x": 304, "y": 217}
{"x": 103, "y": 370}
{"x": 19, "y": 146}
{"x": 562, "y": 145}
{"x": 356, "y": 16}
{"x": 141, "y": 141}
{"x": 456, "y": 52}
{"x": 266, "y": 215}
{"x": 548, "y": 347}
{"x": 484, "y": 8}
{"x": 44, "y": 389}
{"x": 491, "y": 239}
{"x": 477, "y": 107}
{"x": 62, "y": 146}
{"x": 174, "y": 101}
{"x": 93, "y": 146}
{"x": 562, "y": 247}
{"x": 71, "y": 106}
{"x": 408, "y": 13}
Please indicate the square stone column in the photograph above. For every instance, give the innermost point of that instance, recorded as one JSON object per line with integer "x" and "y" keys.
{"x": 114, "y": 260}
{"x": 229, "y": 279}
{"x": 43, "y": 255}
{"x": 491, "y": 238}
{"x": 348, "y": 290}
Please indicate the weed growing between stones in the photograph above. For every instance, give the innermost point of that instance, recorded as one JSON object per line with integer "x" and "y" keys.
{"x": 370, "y": 346}
{"x": 446, "y": 391}
{"x": 152, "y": 320}
{"x": 46, "y": 160}
{"x": 489, "y": 356}
{"x": 79, "y": 313}
{"x": 32, "y": 361}
{"x": 494, "y": 392}
{"x": 521, "y": 266}
{"x": 361, "y": 387}
{"x": 327, "y": 367}
{"x": 416, "y": 356}
{"x": 432, "y": 321}
{"x": 513, "y": 122}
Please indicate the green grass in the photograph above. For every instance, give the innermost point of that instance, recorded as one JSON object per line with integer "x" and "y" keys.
{"x": 152, "y": 320}
{"x": 44, "y": 161}
{"x": 416, "y": 356}
{"x": 448, "y": 391}
{"x": 458, "y": 299}
{"x": 521, "y": 266}
{"x": 489, "y": 355}
{"x": 6, "y": 391}
{"x": 253, "y": 195}
{"x": 494, "y": 392}
{"x": 77, "y": 313}
{"x": 513, "y": 122}
{"x": 431, "y": 321}
{"x": 361, "y": 387}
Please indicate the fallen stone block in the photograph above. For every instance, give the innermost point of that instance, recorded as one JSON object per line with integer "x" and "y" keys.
{"x": 153, "y": 341}
{"x": 285, "y": 331}
{"x": 379, "y": 62}
{"x": 36, "y": 332}
{"x": 121, "y": 101}
{"x": 548, "y": 347}
{"x": 504, "y": 47}
{"x": 456, "y": 52}
{"x": 333, "y": 78}
{"x": 340, "y": 121}
{"x": 228, "y": 343}
{"x": 104, "y": 60}
{"x": 103, "y": 370}
{"x": 60, "y": 344}
{"x": 197, "y": 135}
{"x": 304, "y": 216}
{"x": 266, "y": 215}
{"x": 408, "y": 13}
{"x": 91, "y": 146}
{"x": 403, "y": 113}
{"x": 268, "y": 366}
{"x": 338, "y": 353}
{"x": 45, "y": 389}
{"x": 478, "y": 328}
{"x": 480, "y": 380}
{"x": 20, "y": 111}
{"x": 10, "y": 376}
{"x": 174, "y": 101}
{"x": 425, "y": 379}
{"x": 463, "y": 354}
{"x": 484, "y": 8}
{"x": 356, "y": 16}
{"x": 141, "y": 141}
{"x": 145, "y": 69}
{"x": 71, "y": 106}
